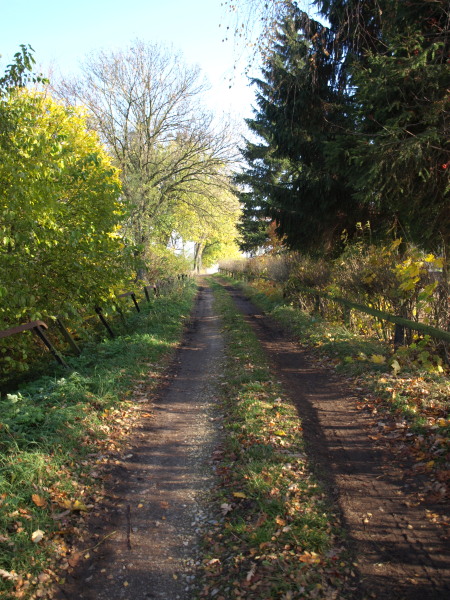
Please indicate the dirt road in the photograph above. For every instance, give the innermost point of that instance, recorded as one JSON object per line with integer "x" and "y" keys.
{"x": 156, "y": 504}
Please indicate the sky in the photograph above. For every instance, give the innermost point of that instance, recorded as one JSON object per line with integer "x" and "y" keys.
{"x": 63, "y": 33}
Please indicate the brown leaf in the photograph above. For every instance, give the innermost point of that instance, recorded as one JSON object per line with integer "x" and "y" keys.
{"x": 61, "y": 515}
{"x": 39, "y": 500}
{"x": 11, "y": 576}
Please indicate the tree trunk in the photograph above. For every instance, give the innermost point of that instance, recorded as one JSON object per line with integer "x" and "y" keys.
{"x": 198, "y": 253}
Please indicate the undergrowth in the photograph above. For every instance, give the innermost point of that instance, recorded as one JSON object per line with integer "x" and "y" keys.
{"x": 51, "y": 428}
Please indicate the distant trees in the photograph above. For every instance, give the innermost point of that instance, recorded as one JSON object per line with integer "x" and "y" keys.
{"x": 146, "y": 106}
{"x": 353, "y": 123}
{"x": 211, "y": 226}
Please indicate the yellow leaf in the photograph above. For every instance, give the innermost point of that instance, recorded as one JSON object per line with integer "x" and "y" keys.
{"x": 239, "y": 495}
{"x": 280, "y": 432}
{"x": 396, "y": 366}
{"x": 378, "y": 359}
{"x": 78, "y": 505}
{"x": 309, "y": 557}
{"x": 37, "y": 536}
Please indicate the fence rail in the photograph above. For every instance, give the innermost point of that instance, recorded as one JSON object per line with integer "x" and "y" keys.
{"x": 39, "y": 327}
{"x": 400, "y": 322}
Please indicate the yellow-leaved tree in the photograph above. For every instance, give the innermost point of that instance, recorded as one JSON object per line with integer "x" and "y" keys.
{"x": 210, "y": 222}
{"x": 60, "y": 212}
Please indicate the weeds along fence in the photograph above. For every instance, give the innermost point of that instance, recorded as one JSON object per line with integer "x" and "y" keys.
{"x": 401, "y": 324}
{"x": 57, "y": 332}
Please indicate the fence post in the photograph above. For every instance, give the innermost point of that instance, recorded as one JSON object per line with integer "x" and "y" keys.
{"x": 316, "y": 304}
{"x": 347, "y": 314}
{"x": 133, "y": 297}
{"x": 399, "y": 335}
{"x": 99, "y": 311}
{"x": 40, "y": 333}
{"x": 120, "y": 313}
{"x": 66, "y": 335}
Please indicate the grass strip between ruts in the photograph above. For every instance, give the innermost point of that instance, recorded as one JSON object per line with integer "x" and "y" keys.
{"x": 56, "y": 432}
{"x": 277, "y": 536}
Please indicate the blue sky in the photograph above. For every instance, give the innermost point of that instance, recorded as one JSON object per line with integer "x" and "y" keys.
{"x": 62, "y": 33}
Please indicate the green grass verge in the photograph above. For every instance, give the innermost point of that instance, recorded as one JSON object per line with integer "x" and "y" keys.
{"x": 277, "y": 536}
{"x": 51, "y": 428}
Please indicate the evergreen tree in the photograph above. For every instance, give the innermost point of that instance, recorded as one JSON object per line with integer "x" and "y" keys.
{"x": 399, "y": 164}
{"x": 299, "y": 113}
{"x": 354, "y": 124}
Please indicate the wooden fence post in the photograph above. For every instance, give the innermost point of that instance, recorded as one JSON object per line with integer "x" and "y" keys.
{"x": 66, "y": 335}
{"x": 99, "y": 311}
{"x": 133, "y": 297}
{"x": 40, "y": 333}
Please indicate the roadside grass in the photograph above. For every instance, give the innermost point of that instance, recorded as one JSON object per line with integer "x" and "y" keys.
{"x": 406, "y": 391}
{"x": 56, "y": 432}
{"x": 277, "y": 536}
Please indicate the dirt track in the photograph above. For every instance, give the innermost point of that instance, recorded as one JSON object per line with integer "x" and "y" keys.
{"x": 155, "y": 505}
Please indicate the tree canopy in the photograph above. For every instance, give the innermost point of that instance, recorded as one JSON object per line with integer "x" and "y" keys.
{"x": 353, "y": 118}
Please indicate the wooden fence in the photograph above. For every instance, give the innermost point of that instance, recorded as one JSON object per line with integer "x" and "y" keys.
{"x": 39, "y": 328}
{"x": 400, "y": 323}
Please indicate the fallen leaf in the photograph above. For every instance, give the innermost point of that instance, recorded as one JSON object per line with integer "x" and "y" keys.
{"x": 61, "y": 515}
{"x": 7, "y": 575}
{"x": 78, "y": 505}
{"x": 73, "y": 505}
{"x": 239, "y": 495}
{"x": 309, "y": 557}
{"x": 378, "y": 359}
{"x": 251, "y": 573}
{"x": 226, "y": 508}
{"x": 39, "y": 500}
{"x": 396, "y": 366}
{"x": 37, "y": 536}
